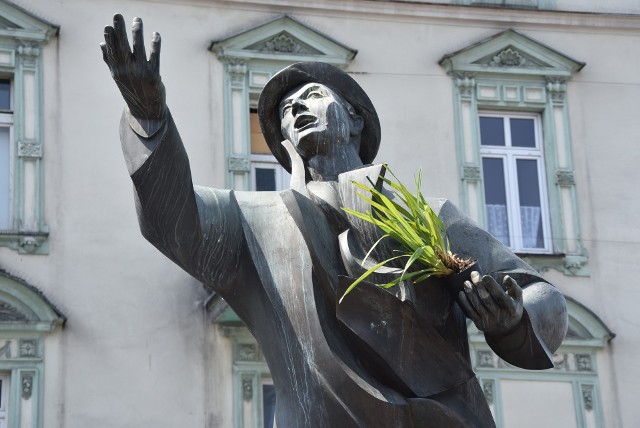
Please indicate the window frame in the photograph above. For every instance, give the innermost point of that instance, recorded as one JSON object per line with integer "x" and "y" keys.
{"x": 510, "y": 155}
{"x": 282, "y": 177}
{"x": 21, "y": 63}
{"x": 7, "y": 122}
{"x": 512, "y": 72}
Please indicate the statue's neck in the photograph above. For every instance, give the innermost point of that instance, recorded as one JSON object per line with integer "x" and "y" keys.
{"x": 327, "y": 166}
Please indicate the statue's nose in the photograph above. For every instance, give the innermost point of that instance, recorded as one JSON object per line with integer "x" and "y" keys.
{"x": 297, "y": 106}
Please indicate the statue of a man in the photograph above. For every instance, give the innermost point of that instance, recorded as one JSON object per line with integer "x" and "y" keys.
{"x": 282, "y": 259}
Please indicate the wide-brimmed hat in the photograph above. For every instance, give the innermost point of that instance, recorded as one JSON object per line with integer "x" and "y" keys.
{"x": 335, "y": 79}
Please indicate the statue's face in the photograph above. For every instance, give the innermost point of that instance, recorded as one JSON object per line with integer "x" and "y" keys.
{"x": 313, "y": 117}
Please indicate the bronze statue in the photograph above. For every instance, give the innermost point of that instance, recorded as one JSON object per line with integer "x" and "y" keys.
{"x": 282, "y": 259}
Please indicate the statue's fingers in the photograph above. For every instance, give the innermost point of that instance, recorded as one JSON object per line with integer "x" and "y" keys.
{"x": 496, "y": 292}
{"x": 120, "y": 35}
{"x": 474, "y": 299}
{"x": 483, "y": 288}
{"x": 513, "y": 289}
{"x": 109, "y": 45}
{"x": 467, "y": 308}
{"x": 154, "y": 56}
{"x": 139, "y": 52}
{"x": 105, "y": 55}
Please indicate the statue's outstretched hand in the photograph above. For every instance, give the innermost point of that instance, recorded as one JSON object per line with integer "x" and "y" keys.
{"x": 495, "y": 310}
{"x": 138, "y": 79}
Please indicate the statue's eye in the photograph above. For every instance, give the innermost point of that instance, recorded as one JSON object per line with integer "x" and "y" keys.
{"x": 315, "y": 94}
{"x": 286, "y": 108}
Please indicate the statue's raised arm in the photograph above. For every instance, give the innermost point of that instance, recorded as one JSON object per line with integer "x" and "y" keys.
{"x": 179, "y": 220}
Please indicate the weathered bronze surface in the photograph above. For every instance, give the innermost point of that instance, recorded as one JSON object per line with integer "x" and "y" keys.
{"x": 282, "y": 259}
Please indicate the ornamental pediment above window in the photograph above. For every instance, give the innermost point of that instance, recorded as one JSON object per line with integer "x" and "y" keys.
{"x": 280, "y": 39}
{"x": 510, "y": 51}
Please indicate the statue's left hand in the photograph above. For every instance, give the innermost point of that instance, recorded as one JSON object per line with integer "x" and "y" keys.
{"x": 495, "y": 310}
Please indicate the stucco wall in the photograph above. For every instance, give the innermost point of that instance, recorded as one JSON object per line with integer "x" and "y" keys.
{"x": 136, "y": 350}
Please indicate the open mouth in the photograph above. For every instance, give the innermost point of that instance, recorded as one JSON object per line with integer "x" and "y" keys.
{"x": 305, "y": 121}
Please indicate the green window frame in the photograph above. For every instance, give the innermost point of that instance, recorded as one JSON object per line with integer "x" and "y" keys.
{"x": 513, "y": 73}
{"x": 575, "y": 372}
{"x": 22, "y": 38}
{"x": 26, "y": 318}
{"x": 250, "y": 58}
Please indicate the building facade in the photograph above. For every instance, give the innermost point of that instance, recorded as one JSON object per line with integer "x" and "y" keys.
{"x": 523, "y": 112}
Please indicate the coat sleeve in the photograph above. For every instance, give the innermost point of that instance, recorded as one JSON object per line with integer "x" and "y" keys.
{"x": 544, "y": 322}
{"x": 197, "y": 228}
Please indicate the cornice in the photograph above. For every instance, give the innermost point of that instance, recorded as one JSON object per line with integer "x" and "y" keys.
{"x": 413, "y": 11}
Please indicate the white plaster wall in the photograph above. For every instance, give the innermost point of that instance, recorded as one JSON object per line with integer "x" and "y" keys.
{"x": 136, "y": 350}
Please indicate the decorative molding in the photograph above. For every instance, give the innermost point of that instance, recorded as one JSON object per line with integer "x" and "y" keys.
{"x": 565, "y": 178}
{"x": 465, "y": 83}
{"x": 28, "y": 348}
{"x": 562, "y": 361}
{"x": 575, "y": 265}
{"x": 27, "y": 50}
{"x": 509, "y": 57}
{"x": 587, "y": 397}
{"x": 29, "y": 244}
{"x": 557, "y": 88}
{"x": 238, "y": 163}
{"x": 583, "y": 363}
{"x": 247, "y": 388}
{"x": 237, "y": 70}
{"x": 488, "y": 389}
{"x": 471, "y": 173}
{"x": 29, "y": 150}
{"x": 285, "y": 40}
{"x": 27, "y": 385}
{"x": 10, "y": 314}
{"x": 485, "y": 359}
{"x": 5, "y": 351}
{"x": 284, "y": 43}
{"x": 570, "y": 265}
{"x": 248, "y": 352}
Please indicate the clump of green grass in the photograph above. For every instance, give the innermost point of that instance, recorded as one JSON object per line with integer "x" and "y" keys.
{"x": 409, "y": 220}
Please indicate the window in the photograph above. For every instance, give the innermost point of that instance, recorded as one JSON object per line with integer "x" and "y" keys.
{"x": 250, "y": 58}
{"x": 22, "y": 224}
{"x": 514, "y": 151}
{"x": 569, "y": 392}
{"x": 266, "y": 172}
{"x": 513, "y": 178}
{"x": 268, "y": 404}
{"x": 6, "y": 155}
{"x": 26, "y": 318}
{"x": 5, "y": 379}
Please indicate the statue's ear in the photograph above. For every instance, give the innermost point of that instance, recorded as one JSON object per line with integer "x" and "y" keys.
{"x": 357, "y": 123}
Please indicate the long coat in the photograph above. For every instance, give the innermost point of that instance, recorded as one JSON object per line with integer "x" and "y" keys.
{"x": 277, "y": 259}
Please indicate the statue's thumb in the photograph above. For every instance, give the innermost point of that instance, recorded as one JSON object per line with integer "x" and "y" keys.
{"x": 298, "y": 182}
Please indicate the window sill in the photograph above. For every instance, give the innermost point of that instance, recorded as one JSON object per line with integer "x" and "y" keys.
{"x": 25, "y": 242}
{"x": 568, "y": 264}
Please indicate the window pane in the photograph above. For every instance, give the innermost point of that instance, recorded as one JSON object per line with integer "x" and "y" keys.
{"x": 496, "y": 199}
{"x": 554, "y": 396}
{"x": 265, "y": 179}
{"x": 5, "y": 178}
{"x": 491, "y": 131}
{"x": 530, "y": 207}
{"x": 268, "y": 405}
{"x": 522, "y": 133}
{"x": 5, "y": 94}
{"x": 258, "y": 143}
